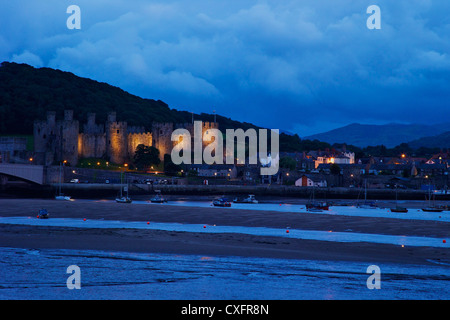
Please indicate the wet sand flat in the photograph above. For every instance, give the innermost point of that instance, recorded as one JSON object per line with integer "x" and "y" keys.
{"x": 216, "y": 244}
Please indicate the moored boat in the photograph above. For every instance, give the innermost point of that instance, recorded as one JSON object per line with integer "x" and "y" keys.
{"x": 250, "y": 199}
{"x": 317, "y": 206}
{"x": 62, "y": 197}
{"x": 432, "y": 209}
{"x": 43, "y": 214}
{"x": 158, "y": 198}
{"x": 399, "y": 209}
{"x": 222, "y": 202}
{"x": 123, "y": 200}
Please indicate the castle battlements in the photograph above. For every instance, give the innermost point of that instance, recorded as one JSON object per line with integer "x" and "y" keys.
{"x": 114, "y": 140}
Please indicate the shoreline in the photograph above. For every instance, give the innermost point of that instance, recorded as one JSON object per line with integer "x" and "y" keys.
{"x": 102, "y": 190}
{"x": 157, "y": 241}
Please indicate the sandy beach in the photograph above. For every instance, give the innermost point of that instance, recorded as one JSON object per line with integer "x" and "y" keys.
{"x": 158, "y": 241}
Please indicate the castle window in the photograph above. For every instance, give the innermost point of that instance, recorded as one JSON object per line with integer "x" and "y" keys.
{"x": 117, "y": 131}
{"x": 44, "y": 136}
{"x": 160, "y": 131}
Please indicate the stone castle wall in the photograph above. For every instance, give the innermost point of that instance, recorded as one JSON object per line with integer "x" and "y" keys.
{"x": 135, "y": 139}
{"x": 56, "y": 141}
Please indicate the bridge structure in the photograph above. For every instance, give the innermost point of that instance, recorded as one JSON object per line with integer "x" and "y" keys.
{"x": 27, "y": 172}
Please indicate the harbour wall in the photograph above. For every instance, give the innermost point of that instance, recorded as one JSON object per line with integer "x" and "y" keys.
{"x": 111, "y": 190}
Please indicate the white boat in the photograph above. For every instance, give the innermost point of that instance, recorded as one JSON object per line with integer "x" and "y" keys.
{"x": 221, "y": 202}
{"x": 397, "y": 207}
{"x": 158, "y": 198}
{"x": 60, "y": 195}
{"x": 249, "y": 199}
{"x": 122, "y": 198}
{"x": 366, "y": 205}
{"x": 432, "y": 207}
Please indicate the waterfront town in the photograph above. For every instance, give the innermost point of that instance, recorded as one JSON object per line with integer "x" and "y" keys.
{"x": 101, "y": 153}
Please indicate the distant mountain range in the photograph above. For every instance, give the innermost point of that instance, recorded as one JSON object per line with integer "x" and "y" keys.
{"x": 440, "y": 141}
{"x": 389, "y": 135}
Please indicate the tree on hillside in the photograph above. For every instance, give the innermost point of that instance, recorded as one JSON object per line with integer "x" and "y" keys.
{"x": 288, "y": 163}
{"x": 146, "y": 156}
{"x": 335, "y": 169}
{"x": 170, "y": 168}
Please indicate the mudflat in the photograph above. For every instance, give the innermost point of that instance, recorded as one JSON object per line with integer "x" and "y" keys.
{"x": 234, "y": 244}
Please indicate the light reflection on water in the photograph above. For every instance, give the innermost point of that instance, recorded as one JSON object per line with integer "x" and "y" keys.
{"x": 41, "y": 274}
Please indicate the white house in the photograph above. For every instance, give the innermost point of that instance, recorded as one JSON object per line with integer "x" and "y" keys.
{"x": 311, "y": 181}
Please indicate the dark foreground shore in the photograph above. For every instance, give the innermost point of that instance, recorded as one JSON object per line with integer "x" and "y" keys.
{"x": 157, "y": 241}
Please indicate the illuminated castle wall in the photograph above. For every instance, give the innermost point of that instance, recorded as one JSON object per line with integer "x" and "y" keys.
{"x": 115, "y": 141}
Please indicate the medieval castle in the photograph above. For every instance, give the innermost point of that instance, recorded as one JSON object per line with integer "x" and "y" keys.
{"x": 115, "y": 141}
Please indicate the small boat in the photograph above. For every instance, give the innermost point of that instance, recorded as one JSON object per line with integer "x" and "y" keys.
{"x": 158, "y": 198}
{"x": 249, "y": 199}
{"x": 366, "y": 204}
{"x": 317, "y": 206}
{"x": 122, "y": 198}
{"x": 314, "y": 205}
{"x": 222, "y": 202}
{"x": 43, "y": 214}
{"x": 344, "y": 204}
{"x": 399, "y": 209}
{"x": 313, "y": 209}
{"x": 432, "y": 209}
{"x": 60, "y": 195}
{"x": 431, "y": 205}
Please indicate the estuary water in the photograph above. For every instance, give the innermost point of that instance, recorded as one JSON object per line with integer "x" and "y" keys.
{"x": 42, "y": 274}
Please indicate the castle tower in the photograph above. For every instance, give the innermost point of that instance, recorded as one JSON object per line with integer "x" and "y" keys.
{"x": 92, "y": 141}
{"x": 44, "y": 133}
{"x": 162, "y": 138}
{"x": 56, "y": 141}
{"x": 205, "y": 127}
{"x": 116, "y": 139}
{"x": 67, "y": 139}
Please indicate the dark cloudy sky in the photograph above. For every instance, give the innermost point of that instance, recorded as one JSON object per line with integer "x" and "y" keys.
{"x": 304, "y": 66}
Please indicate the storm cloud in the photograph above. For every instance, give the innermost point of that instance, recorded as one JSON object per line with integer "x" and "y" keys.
{"x": 302, "y": 66}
